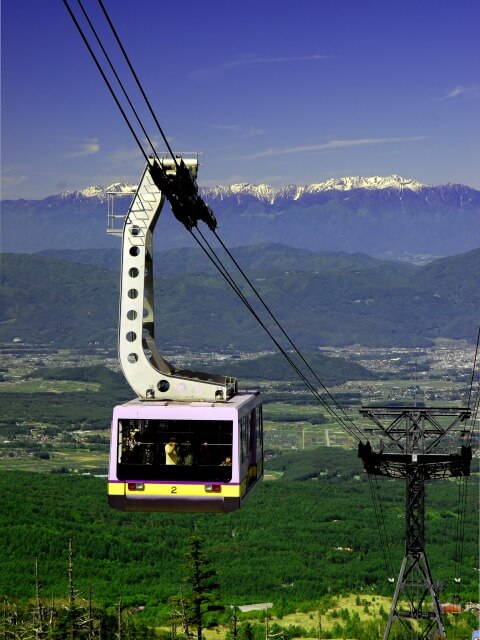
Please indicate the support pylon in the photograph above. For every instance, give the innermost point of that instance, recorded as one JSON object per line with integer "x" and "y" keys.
{"x": 417, "y": 444}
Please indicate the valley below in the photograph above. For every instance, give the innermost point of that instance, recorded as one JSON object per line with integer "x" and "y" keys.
{"x": 307, "y": 541}
{"x": 331, "y": 576}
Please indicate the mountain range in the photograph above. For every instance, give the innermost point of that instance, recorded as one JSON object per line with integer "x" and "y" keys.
{"x": 320, "y": 299}
{"x": 383, "y": 216}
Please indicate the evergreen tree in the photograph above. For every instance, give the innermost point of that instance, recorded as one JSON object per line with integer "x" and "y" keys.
{"x": 200, "y": 586}
{"x": 246, "y": 632}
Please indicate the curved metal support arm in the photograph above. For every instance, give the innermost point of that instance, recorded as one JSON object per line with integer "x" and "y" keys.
{"x": 146, "y": 371}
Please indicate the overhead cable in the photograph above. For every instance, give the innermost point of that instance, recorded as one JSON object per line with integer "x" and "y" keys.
{"x": 460, "y": 530}
{"x": 120, "y": 84}
{"x": 351, "y": 428}
{"x": 147, "y": 102}
{"x": 232, "y": 258}
{"x": 105, "y": 79}
{"x": 474, "y": 367}
{"x": 218, "y": 264}
{"x": 381, "y": 525}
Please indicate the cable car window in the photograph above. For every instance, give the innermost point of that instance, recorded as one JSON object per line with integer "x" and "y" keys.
{"x": 244, "y": 433}
{"x": 198, "y": 450}
{"x": 259, "y": 423}
{"x": 252, "y": 440}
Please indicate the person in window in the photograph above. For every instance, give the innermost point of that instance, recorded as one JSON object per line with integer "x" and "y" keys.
{"x": 186, "y": 453}
{"x": 171, "y": 451}
{"x": 134, "y": 454}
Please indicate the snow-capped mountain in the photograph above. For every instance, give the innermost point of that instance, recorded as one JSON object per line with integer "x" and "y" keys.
{"x": 294, "y": 192}
{"x": 118, "y": 188}
{"x": 271, "y": 195}
{"x": 264, "y": 192}
{"x": 383, "y": 216}
{"x": 376, "y": 182}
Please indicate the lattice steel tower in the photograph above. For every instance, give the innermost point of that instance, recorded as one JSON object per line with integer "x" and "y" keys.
{"x": 417, "y": 444}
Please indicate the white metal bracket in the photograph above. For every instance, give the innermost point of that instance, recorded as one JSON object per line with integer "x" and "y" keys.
{"x": 146, "y": 371}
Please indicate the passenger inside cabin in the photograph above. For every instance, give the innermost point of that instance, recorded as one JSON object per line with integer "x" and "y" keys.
{"x": 186, "y": 453}
{"x": 171, "y": 451}
{"x": 133, "y": 451}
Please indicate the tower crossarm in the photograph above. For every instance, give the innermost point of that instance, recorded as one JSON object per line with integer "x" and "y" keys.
{"x": 392, "y": 433}
{"x": 416, "y": 430}
{"x": 436, "y": 466}
{"x": 442, "y": 432}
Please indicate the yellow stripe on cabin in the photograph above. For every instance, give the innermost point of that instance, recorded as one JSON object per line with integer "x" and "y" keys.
{"x": 116, "y": 488}
{"x": 120, "y": 489}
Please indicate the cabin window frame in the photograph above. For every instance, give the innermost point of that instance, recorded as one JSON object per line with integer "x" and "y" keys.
{"x": 141, "y": 449}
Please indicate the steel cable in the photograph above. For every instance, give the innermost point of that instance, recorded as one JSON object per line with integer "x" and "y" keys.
{"x": 139, "y": 84}
{"x": 381, "y": 526}
{"x": 105, "y": 79}
{"x": 473, "y": 368}
{"x": 232, "y": 258}
{"x": 218, "y": 264}
{"x": 110, "y": 64}
{"x": 352, "y": 430}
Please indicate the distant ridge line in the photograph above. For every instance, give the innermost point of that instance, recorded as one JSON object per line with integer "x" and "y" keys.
{"x": 268, "y": 193}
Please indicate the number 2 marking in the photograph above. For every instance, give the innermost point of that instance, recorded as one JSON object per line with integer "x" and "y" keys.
{"x": 173, "y": 490}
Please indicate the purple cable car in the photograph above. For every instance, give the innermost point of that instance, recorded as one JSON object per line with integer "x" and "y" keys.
{"x": 197, "y": 457}
{"x": 190, "y": 441}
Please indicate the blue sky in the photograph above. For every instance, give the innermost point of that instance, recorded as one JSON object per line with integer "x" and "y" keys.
{"x": 270, "y": 91}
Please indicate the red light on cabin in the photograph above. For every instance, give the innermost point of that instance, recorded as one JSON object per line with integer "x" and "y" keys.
{"x": 213, "y": 488}
{"x": 135, "y": 486}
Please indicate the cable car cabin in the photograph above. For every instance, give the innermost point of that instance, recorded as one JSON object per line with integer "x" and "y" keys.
{"x": 196, "y": 457}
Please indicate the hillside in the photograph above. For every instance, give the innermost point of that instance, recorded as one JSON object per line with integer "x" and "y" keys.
{"x": 261, "y": 258}
{"x": 387, "y": 217}
{"x": 45, "y": 300}
{"x": 274, "y": 367}
{"x": 352, "y": 300}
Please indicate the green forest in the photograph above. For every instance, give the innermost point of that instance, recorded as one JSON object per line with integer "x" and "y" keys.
{"x": 314, "y": 529}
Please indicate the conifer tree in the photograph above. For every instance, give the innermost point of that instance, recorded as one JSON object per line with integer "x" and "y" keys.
{"x": 200, "y": 587}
